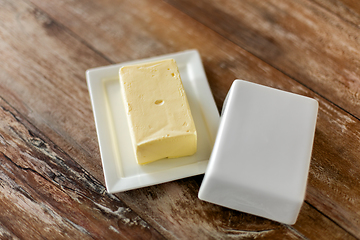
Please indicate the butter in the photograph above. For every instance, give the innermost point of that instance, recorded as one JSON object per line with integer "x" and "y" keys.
{"x": 158, "y": 112}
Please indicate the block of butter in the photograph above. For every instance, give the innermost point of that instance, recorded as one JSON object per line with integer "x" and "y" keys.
{"x": 158, "y": 112}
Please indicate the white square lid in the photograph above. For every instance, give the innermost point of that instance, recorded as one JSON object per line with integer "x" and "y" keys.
{"x": 261, "y": 157}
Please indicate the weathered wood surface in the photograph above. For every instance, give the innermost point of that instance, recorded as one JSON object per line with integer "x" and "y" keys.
{"x": 348, "y": 10}
{"x": 46, "y": 194}
{"x": 320, "y": 50}
{"x": 300, "y": 38}
{"x": 51, "y": 174}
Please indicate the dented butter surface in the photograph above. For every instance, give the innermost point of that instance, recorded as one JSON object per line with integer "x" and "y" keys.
{"x": 158, "y": 112}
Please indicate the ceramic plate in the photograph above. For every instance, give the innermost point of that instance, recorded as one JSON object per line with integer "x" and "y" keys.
{"x": 121, "y": 171}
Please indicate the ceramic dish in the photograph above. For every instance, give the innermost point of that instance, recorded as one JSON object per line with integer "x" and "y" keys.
{"x": 261, "y": 157}
{"x": 121, "y": 171}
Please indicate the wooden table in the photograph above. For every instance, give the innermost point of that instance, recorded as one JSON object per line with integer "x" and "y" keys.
{"x": 51, "y": 179}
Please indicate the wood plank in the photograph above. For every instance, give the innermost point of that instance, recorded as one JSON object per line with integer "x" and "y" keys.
{"x": 176, "y": 197}
{"x": 300, "y": 38}
{"x": 98, "y": 24}
{"x": 43, "y": 74}
{"x": 101, "y": 25}
{"x": 309, "y": 218}
{"x": 45, "y": 194}
{"x": 349, "y": 10}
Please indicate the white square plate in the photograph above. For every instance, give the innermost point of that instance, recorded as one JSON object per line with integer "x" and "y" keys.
{"x": 121, "y": 171}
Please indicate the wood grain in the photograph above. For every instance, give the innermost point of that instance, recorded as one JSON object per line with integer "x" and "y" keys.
{"x": 300, "y": 38}
{"x": 42, "y": 76}
{"x": 45, "y": 194}
{"x": 348, "y": 10}
{"x": 47, "y": 46}
{"x": 224, "y": 61}
{"x": 308, "y": 218}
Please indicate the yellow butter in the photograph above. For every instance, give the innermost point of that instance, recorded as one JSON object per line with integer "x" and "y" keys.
{"x": 158, "y": 111}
